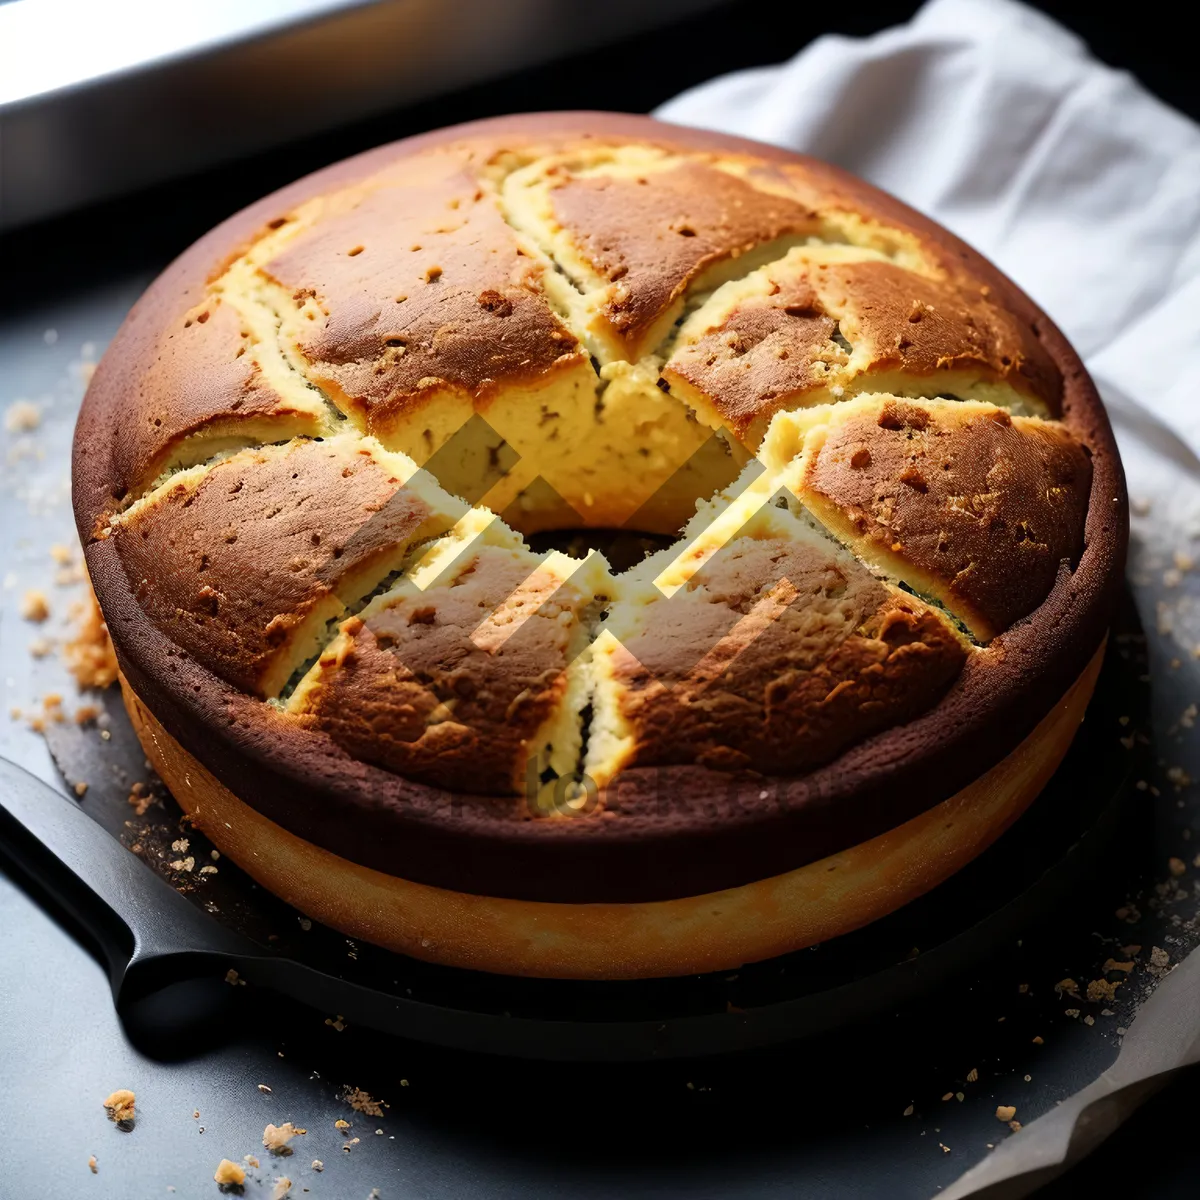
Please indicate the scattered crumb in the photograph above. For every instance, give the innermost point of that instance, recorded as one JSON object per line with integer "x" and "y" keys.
{"x": 1176, "y": 866}
{"x": 1159, "y": 958}
{"x": 318, "y": 1165}
{"x": 229, "y": 1173}
{"x": 81, "y": 789}
{"x": 120, "y": 1107}
{"x": 972, "y": 1075}
{"x": 362, "y": 1102}
{"x": 34, "y": 606}
{"x": 180, "y": 845}
{"x": 944, "y": 1148}
{"x": 908, "y": 1112}
{"x": 340, "y": 1124}
{"x": 1015, "y": 1126}
{"x": 262, "y": 1087}
{"x": 41, "y": 648}
{"x": 92, "y": 1165}
{"x": 88, "y": 714}
{"x": 336, "y": 1022}
{"x": 89, "y": 655}
{"x": 947, "y": 1096}
{"x": 1039, "y": 1041}
{"x": 1101, "y": 989}
{"x": 1005, "y": 1112}
{"x": 69, "y": 576}
{"x": 140, "y": 798}
{"x": 283, "y": 1185}
{"x": 22, "y": 416}
{"x": 276, "y": 1137}
{"x": 51, "y": 714}
{"x": 62, "y": 555}
{"x": 251, "y": 1161}
{"x": 1069, "y": 986}
{"x": 184, "y": 864}
{"x": 232, "y": 978}
{"x": 1111, "y": 964}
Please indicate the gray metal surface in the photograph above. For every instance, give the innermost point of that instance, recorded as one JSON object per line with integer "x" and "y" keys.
{"x": 99, "y": 98}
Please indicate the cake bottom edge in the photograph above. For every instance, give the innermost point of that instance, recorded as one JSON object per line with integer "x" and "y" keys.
{"x": 718, "y": 931}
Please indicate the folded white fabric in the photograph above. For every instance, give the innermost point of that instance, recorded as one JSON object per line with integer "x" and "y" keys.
{"x": 997, "y": 122}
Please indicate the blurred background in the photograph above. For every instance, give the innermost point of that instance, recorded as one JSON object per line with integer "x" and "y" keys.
{"x": 103, "y": 99}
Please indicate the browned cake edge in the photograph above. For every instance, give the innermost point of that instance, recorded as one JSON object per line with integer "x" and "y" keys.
{"x": 677, "y": 831}
{"x": 719, "y": 931}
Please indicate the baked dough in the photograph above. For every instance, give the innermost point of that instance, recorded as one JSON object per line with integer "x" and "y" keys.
{"x": 345, "y": 475}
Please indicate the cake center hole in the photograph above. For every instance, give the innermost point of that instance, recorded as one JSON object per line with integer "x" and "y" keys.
{"x": 623, "y": 548}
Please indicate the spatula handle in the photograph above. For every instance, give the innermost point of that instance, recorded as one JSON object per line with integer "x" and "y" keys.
{"x": 134, "y": 917}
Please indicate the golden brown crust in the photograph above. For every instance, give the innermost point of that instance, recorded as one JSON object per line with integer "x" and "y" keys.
{"x": 204, "y": 380}
{"x": 653, "y": 234}
{"x": 770, "y": 351}
{"x": 450, "y": 684}
{"x": 231, "y": 565}
{"x": 686, "y": 935}
{"x": 925, "y": 328}
{"x": 895, "y": 331}
{"x": 419, "y": 287}
{"x": 967, "y": 503}
{"x": 777, "y": 656}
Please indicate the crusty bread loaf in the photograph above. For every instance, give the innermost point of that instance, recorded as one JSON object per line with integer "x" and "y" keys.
{"x": 312, "y": 469}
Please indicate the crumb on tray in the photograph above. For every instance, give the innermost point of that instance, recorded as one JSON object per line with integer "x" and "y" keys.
{"x": 276, "y": 1137}
{"x": 22, "y": 416}
{"x": 120, "y": 1107}
{"x": 34, "y": 606}
{"x": 89, "y": 655}
{"x": 363, "y": 1102}
{"x": 229, "y": 1173}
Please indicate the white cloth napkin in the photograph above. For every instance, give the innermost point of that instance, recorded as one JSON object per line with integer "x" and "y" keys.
{"x": 996, "y": 121}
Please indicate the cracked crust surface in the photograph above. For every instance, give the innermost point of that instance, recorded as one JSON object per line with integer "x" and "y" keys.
{"x": 242, "y": 564}
{"x": 823, "y": 323}
{"x": 776, "y": 655}
{"x": 415, "y": 285}
{"x": 597, "y": 329}
{"x": 452, "y": 683}
{"x": 963, "y": 502}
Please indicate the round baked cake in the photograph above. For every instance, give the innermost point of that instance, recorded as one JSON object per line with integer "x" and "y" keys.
{"x": 571, "y": 545}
